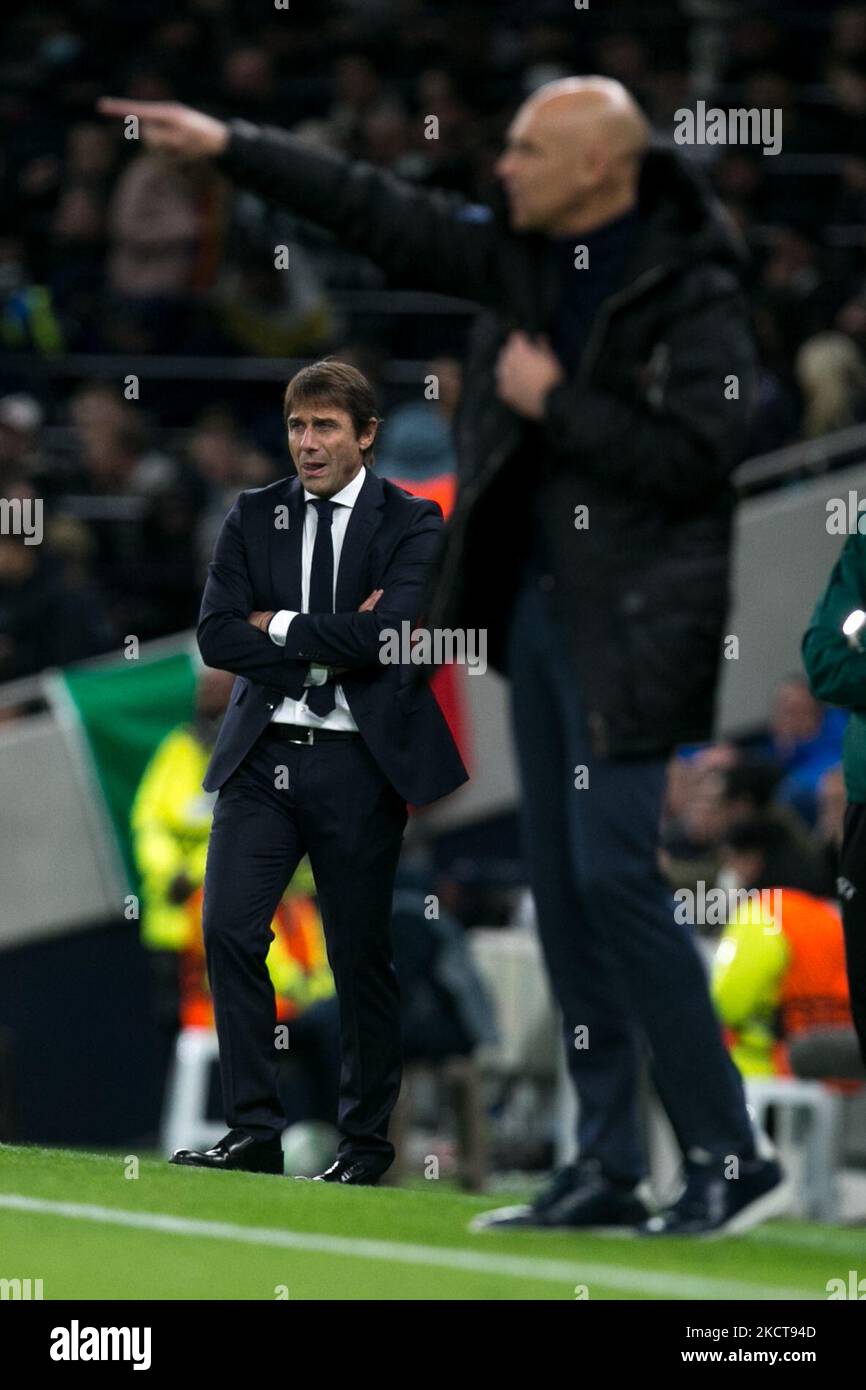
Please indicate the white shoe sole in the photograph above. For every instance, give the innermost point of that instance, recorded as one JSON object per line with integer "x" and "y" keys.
{"x": 498, "y": 1221}
{"x": 489, "y": 1220}
{"x": 777, "y": 1202}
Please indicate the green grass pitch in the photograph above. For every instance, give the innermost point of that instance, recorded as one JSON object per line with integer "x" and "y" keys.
{"x": 79, "y": 1223}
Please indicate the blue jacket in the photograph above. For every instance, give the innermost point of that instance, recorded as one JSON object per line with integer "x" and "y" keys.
{"x": 390, "y": 543}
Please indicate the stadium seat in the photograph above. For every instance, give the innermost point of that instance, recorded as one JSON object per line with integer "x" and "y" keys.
{"x": 184, "y": 1118}
{"x": 812, "y": 1152}
{"x": 462, "y": 1081}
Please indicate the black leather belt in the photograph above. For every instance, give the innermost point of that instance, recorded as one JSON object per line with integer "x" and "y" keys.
{"x": 299, "y": 733}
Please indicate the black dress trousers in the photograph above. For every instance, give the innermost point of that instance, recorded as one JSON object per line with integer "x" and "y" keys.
{"x": 330, "y": 800}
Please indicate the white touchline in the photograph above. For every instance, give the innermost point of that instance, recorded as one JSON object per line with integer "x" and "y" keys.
{"x": 567, "y": 1272}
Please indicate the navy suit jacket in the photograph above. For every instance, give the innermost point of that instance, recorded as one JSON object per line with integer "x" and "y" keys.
{"x": 390, "y": 543}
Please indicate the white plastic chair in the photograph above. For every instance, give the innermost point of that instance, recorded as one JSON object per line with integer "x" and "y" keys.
{"x": 184, "y": 1116}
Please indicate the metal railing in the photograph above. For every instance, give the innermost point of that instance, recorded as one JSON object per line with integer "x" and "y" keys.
{"x": 802, "y": 460}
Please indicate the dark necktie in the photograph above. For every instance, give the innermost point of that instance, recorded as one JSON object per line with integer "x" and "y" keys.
{"x": 320, "y": 698}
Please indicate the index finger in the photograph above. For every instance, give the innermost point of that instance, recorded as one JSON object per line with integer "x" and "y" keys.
{"x": 117, "y": 106}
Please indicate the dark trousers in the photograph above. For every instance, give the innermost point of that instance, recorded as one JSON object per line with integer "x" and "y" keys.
{"x": 339, "y": 808}
{"x": 627, "y": 977}
{"x": 852, "y": 866}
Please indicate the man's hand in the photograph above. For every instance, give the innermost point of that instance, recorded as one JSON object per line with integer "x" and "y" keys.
{"x": 525, "y": 372}
{"x": 168, "y": 125}
{"x": 260, "y": 619}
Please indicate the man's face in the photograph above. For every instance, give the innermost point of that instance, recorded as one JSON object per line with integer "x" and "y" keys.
{"x": 324, "y": 447}
{"x": 545, "y": 172}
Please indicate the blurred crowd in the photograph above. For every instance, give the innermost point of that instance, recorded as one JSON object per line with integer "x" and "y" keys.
{"x": 751, "y": 842}
{"x": 763, "y": 812}
{"x": 131, "y": 512}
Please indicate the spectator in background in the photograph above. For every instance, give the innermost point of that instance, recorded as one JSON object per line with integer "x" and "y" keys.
{"x": 224, "y": 461}
{"x": 446, "y": 1008}
{"x": 719, "y": 789}
{"x": 140, "y": 507}
{"x": 848, "y": 32}
{"x": 805, "y": 740}
{"x": 20, "y": 422}
{"x": 779, "y": 971}
{"x": 111, "y": 437}
{"x": 155, "y": 226}
{"x": 78, "y": 230}
{"x": 831, "y": 371}
{"x": 746, "y": 795}
{"x": 270, "y": 311}
{"x": 249, "y": 82}
{"x": 358, "y": 94}
{"x": 691, "y": 824}
{"x": 417, "y": 440}
{"x": 451, "y": 159}
{"x": 28, "y": 318}
{"x": 851, "y": 318}
{"x": 47, "y": 618}
{"x": 793, "y": 286}
{"x": 847, "y": 83}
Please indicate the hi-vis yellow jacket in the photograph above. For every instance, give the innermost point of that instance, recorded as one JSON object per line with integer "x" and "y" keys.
{"x": 778, "y": 976}
{"x": 170, "y": 822}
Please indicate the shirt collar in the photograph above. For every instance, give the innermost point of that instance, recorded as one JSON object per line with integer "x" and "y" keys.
{"x": 347, "y": 496}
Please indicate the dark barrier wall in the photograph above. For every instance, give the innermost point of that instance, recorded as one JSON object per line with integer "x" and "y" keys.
{"x": 79, "y": 1035}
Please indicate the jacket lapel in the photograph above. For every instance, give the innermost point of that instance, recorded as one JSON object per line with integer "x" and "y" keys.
{"x": 363, "y": 523}
{"x": 284, "y": 549}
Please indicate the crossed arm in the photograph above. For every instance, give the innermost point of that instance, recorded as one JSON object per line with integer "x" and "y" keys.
{"x": 232, "y": 632}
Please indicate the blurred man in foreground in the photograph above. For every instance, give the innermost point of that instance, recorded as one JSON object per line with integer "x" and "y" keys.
{"x": 604, "y": 405}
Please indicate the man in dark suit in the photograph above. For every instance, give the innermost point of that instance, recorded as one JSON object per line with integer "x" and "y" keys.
{"x": 322, "y": 746}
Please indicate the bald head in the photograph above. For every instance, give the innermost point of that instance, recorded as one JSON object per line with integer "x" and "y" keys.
{"x": 573, "y": 155}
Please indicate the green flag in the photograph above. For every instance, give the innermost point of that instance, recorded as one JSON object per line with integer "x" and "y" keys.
{"x": 125, "y": 709}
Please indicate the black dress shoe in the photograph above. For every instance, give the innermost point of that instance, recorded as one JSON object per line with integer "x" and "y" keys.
{"x": 237, "y": 1152}
{"x": 578, "y": 1197}
{"x": 361, "y": 1172}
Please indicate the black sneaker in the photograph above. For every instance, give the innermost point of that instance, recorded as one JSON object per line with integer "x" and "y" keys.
{"x": 712, "y": 1204}
{"x": 578, "y": 1197}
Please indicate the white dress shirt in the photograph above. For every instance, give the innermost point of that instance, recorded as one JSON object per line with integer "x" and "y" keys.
{"x": 297, "y": 711}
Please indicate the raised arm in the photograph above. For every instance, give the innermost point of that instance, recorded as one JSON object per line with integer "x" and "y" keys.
{"x": 423, "y": 239}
